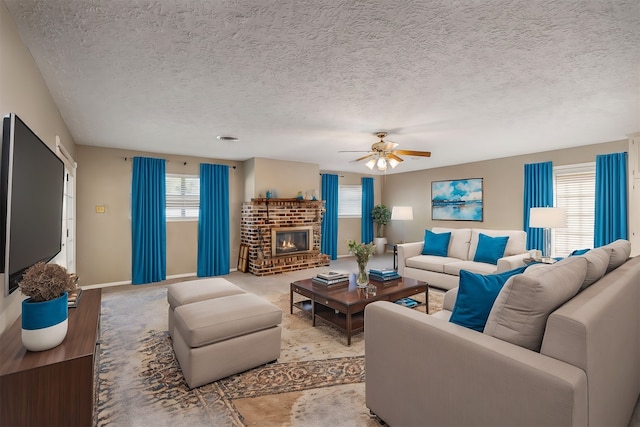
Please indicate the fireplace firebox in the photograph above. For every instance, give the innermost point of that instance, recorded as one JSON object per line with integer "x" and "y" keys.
{"x": 291, "y": 240}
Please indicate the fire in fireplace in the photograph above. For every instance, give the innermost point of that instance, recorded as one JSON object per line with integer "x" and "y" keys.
{"x": 289, "y": 240}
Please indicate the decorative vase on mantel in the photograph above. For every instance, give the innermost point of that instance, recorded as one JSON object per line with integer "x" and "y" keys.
{"x": 362, "y": 252}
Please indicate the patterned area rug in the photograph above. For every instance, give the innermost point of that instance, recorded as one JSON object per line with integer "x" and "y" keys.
{"x": 318, "y": 380}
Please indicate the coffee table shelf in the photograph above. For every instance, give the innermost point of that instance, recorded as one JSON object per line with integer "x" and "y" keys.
{"x": 339, "y": 320}
{"x": 304, "y": 305}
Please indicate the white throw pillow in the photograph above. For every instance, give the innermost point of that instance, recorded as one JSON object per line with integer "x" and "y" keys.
{"x": 620, "y": 251}
{"x": 519, "y": 314}
{"x": 597, "y": 262}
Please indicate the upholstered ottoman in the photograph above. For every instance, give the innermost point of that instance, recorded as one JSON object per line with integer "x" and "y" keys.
{"x": 197, "y": 290}
{"x": 218, "y": 337}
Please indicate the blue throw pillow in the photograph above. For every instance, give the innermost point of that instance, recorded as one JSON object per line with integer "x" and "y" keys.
{"x": 436, "y": 243}
{"x": 476, "y": 295}
{"x": 490, "y": 249}
{"x": 579, "y": 252}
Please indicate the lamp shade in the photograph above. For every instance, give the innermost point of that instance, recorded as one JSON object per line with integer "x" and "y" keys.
{"x": 547, "y": 218}
{"x": 402, "y": 212}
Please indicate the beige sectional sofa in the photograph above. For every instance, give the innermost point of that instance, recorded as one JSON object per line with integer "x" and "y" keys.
{"x": 586, "y": 372}
{"x": 442, "y": 272}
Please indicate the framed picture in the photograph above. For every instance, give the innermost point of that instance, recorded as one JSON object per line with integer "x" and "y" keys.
{"x": 457, "y": 200}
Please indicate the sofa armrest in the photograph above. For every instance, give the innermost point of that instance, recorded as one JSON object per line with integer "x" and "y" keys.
{"x": 423, "y": 368}
{"x": 407, "y": 250}
{"x": 510, "y": 262}
{"x": 450, "y": 299}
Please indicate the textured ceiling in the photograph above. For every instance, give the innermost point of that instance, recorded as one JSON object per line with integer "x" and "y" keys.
{"x": 301, "y": 80}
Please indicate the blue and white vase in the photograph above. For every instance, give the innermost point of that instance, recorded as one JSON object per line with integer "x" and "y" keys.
{"x": 44, "y": 324}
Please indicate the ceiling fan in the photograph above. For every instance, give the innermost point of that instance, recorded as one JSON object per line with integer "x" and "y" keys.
{"x": 383, "y": 154}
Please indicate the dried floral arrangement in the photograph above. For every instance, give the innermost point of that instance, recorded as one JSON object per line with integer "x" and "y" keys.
{"x": 44, "y": 282}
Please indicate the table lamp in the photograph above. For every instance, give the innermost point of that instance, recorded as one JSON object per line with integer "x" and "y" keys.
{"x": 547, "y": 218}
{"x": 402, "y": 213}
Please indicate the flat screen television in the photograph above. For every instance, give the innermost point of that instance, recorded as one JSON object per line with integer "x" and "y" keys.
{"x": 31, "y": 198}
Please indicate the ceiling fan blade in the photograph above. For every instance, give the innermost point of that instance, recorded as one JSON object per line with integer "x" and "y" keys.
{"x": 413, "y": 153}
{"x": 363, "y": 157}
{"x": 394, "y": 157}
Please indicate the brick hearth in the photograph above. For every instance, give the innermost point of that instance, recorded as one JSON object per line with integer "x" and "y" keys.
{"x": 260, "y": 216}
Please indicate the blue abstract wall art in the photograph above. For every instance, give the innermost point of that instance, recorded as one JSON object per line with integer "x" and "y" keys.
{"x": 457, "y": 200}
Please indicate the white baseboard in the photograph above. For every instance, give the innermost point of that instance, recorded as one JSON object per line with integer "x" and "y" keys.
{"x": 105, "y": 285}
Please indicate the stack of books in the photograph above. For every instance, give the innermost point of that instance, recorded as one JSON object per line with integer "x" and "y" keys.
{"x": 331, "y": 278}
{"x": 408, "y": 302}
{"x": 383, "y": 275}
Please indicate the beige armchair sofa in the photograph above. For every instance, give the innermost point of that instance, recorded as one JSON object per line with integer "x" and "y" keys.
{"x": 423, "y": 370}
{"x": 442, "y": 272}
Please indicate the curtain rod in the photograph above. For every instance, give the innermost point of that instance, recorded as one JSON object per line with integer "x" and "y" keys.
{"x": 169, "y": 161}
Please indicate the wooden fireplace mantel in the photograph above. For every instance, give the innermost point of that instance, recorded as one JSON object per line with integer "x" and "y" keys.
{"x": 284, "y": 200}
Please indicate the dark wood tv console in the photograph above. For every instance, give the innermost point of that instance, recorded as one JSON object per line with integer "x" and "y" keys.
{"x": 54, "y": 387}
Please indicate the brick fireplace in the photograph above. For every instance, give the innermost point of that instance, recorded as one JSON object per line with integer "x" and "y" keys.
{"x": 282, "y": 235}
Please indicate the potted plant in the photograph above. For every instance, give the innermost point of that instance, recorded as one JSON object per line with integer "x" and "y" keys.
{"x": 381, "y": 216}
{"x": 45, "y": 312}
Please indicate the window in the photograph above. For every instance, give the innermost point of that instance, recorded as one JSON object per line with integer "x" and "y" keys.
{"x": 575, "y": 188}
{"x": 183, "y": 197}
{"x": 349, "y": 201}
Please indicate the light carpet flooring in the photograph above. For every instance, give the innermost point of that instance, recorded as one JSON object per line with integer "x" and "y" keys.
{"x": 317, "y": 381}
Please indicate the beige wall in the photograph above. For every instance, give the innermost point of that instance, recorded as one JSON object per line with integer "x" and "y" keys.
{"x": 284, "y": 178}
{"x": 503, "y": 183}
{"x": 250, "y": 180}
{"x": 104, "y": 239}
{"x": 24, "y": 92}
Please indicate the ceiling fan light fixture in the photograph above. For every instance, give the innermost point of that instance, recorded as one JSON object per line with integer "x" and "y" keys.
{"x": 383, "y": 154}
{"x": 371, "y": 163}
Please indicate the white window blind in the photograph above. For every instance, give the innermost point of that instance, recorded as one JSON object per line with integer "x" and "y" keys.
{"x": 575, "y": 188}
{"x": 349, "y": 201}
{"x": 183, "y": 197}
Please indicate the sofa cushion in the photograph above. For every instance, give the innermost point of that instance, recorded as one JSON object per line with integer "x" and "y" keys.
{"x": 516, "y": 245}
{"x": 620, "y": 251}
{"x": 436, "y": 243}
{"x": 597, "y": 262}
{"x": 490, "y": 249}
{"x": 520, "y": 312}
{"x": 459, "y": 243}
{"x": 429, "y": 262}
{"x": 210, "y": 321}
{"x": 476, "y": 295}
{"x": 191, "y": 291}
{"x": 456, "y": 266}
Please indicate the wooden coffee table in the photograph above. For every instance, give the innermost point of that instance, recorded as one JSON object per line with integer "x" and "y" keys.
{"x": 344, "y": 307}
